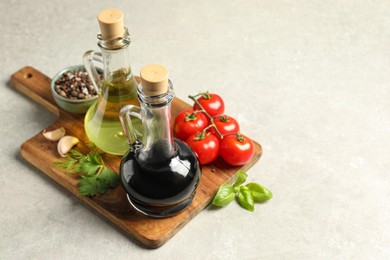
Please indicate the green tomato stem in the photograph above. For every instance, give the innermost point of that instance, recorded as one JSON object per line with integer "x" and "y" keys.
{"x": 207, "y": 114}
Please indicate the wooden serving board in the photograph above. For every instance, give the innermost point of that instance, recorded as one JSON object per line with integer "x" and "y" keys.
{"x": 113, "y": 205}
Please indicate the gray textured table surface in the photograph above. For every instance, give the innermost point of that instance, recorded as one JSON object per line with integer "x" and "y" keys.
{"x": 309, "y": 80}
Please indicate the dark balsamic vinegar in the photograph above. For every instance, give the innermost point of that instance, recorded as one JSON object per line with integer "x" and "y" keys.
{"x": 163, "y": 184}
{"x": 160, "y": 174}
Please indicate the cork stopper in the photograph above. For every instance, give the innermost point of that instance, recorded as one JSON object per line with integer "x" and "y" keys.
{"x": 154, "y": 79}
{"x": 111, "y": 23}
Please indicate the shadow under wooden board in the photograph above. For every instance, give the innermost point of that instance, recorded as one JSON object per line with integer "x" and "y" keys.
{"x": 113, "y": 205}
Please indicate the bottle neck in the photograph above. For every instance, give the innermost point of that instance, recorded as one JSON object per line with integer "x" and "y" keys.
{"x": 116, "y": 57}
{"x": 116, "y": 65}
{"x": 118, "y": 80}
{"x": 158, "y": 141}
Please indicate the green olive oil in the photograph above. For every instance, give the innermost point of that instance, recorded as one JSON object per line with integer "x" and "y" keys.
{"x": 101, "y": 122}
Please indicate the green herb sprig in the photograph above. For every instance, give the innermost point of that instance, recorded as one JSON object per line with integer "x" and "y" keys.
{"x": 246, "y": 195}
{"x": 95, "y": 176}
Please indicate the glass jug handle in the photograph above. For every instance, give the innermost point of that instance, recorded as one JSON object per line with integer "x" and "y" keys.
{"x": 125, "y": 115}
{"x": 88, "y": 59}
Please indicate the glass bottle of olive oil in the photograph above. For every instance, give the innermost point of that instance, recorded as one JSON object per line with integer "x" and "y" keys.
{"x": 116, "y": 85}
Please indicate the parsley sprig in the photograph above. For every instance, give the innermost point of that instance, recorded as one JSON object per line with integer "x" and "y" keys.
{"x": 95, "y": 176}
{"x": 246, "y": 195}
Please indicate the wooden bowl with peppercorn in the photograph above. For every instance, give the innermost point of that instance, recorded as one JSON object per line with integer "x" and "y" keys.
{"x": 72, "y": 89}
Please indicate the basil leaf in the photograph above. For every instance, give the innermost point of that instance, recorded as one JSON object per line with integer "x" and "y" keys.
{"x": 245, "y": 198}
{"x": 259, "y": 192}
{"x": 240, "y": 179}
{"x": 224, "y": 195}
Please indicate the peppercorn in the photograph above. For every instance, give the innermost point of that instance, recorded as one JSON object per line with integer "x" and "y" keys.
{"x": 75, "y": 85}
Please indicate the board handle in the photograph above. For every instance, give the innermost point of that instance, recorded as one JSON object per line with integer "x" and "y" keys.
{"x": 35, "y": 85}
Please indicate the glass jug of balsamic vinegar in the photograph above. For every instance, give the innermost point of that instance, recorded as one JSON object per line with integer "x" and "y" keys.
{"x": 118, "y": 87}
{"x": 159, "y": 173}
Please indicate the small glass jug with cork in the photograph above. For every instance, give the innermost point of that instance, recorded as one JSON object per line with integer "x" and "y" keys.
{"x": 117, "y": 87}
{"x": 159, "y": 173}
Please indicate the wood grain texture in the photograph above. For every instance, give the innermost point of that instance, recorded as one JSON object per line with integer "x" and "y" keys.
{"x": 113, "y": 205}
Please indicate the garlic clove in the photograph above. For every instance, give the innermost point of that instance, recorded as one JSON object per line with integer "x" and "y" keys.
{"x": 66, "y": 143}
{"x": 55, "y": 134}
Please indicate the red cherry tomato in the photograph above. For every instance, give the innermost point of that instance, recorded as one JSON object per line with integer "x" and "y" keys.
{"x": 236, "y": 149}
{"x": 226, "y": 125}
{"x": 187, "y": 123}
{"x": 212, "y": 103}
{"x": 206, "y": 147}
